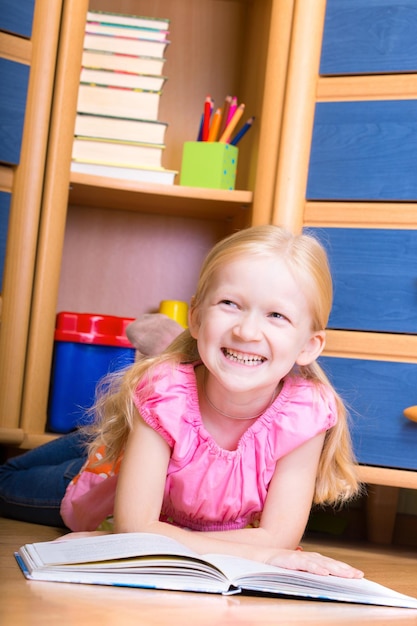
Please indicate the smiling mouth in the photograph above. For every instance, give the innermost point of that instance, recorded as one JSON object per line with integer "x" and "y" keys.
{"x": 245, "y": 359}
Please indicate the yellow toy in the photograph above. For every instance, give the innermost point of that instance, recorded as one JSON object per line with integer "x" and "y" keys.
{"x": 411, "y": 413}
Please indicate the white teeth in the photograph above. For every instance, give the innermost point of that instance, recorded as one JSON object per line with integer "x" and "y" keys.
{"x": 246, "y": 359}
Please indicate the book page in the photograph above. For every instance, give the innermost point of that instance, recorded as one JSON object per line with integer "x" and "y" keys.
{"x": 105, "y": 548}
{"x": 264, "y": 578}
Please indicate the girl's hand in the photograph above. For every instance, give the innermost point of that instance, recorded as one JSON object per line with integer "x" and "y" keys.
{"x": 314, "y": 563}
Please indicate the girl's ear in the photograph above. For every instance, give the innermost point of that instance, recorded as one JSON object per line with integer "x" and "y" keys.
{"x": 193, "y": 319}
{"x": 312, "y": 349}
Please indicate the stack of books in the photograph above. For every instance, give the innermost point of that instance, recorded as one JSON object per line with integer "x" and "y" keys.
{"x": 117, "y": 131}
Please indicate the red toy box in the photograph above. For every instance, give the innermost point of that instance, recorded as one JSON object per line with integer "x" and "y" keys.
{"x": 87, "y": 347}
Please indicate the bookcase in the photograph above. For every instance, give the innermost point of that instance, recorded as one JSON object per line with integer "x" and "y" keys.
{"x": 118, "y": 247}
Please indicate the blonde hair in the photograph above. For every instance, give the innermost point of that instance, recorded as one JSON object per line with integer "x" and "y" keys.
{"x": 115, "y": 411}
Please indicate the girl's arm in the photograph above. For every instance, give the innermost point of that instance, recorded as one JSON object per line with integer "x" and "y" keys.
{"x": 140, "y": 493}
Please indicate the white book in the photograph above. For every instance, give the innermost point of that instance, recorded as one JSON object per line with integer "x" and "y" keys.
{"x": 127, "y": 80}
{"x": 129, "y": 20}
{"x": 113, "y": 152}
{"x": 126, "y": 31}
{"x": 106, "y": 127}
{"x": 158, "y": 562}
{"x": 101, "y": 59}
{"x": 137, "y": 174}
{"x": 126, "y": 103}
{"x": 125, "y": 45}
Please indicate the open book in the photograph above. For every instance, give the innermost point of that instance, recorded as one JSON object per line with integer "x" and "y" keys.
{"x": 157, "y": 562}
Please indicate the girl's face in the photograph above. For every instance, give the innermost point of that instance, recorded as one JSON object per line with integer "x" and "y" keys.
{"x": 254, "y": 325}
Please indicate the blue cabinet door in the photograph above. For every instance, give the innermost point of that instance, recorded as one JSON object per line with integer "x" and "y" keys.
{"x": 369, "y": 36}
{"x": 14, "y": 78}
{"x": 376, "y": 393}
{"x": 4, "y": 223}
{"x": 16, "y": 16}
{"x": 375, "y": 279}
{"x": 364, "y": 150}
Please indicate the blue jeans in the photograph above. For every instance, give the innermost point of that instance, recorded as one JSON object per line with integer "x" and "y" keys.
{"x": 33, "y": 484}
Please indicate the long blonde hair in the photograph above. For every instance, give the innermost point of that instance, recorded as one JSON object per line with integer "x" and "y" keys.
{"x": 115, "y": 411}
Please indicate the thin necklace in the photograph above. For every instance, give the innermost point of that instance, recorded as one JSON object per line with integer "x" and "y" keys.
{"x": 233, "y": 417}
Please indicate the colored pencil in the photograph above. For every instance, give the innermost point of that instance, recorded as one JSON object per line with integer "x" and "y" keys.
{"x": 215, "y": 125}
{"x": 225, "y": 137}
{"x": 200, "y": 130}
{"x": 232, "y": 109}
{"x": 225, "y": 113}
{"x": 242, "y": 132}
{"x": 207, "y": 114}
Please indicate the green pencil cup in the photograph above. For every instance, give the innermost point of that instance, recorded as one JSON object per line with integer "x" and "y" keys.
{"x": 209, "y": 164}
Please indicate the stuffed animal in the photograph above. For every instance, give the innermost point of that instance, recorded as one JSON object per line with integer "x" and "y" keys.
{"x": 151, "y": 333}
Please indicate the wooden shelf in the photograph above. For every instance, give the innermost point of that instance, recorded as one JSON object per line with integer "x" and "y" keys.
{"x": 15, "y": 48}
{"x": 406, "y": 479}
{"x": 361, "y": 214}
{"x": 370, "y": 345}
{"x": 382, "y": 87}
{"x": 95, "y": 191}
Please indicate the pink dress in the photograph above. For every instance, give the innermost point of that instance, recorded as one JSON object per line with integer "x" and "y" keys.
{"x": 207, "y": 487}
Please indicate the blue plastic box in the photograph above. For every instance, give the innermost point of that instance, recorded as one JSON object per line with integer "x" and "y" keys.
{"x": 87, "y": 347}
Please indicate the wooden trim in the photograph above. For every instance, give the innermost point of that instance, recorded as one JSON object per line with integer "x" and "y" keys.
{"x": 272, "y": 110}
{"x": 53, "y": 217}
{"x": 33, "y": 441}
{"x": 25, "y": 211}
{"x": 298, "y": 117}
{"x": 17, "y": 437}
{"x": 361, "y": 214}
{"x": 388, "y": 477}
{"x": 11, "y": 436}
{"x": 375, "y": 346}
{"x": 376, "y": 87}
{"x": 15, "y": 48}
{"x": 6, "y": 178}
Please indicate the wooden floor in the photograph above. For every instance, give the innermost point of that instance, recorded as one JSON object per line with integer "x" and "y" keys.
{"x": 24, "y": 603}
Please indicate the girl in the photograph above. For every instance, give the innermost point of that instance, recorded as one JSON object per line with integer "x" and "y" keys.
{"x": 225, "y": 440}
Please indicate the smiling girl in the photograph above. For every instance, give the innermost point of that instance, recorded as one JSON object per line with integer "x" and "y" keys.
{"x": 225, "y": 440}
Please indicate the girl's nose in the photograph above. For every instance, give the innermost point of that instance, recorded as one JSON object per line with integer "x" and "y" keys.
{"x": 248, "y": 327}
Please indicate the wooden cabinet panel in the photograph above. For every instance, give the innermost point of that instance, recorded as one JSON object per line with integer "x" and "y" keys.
{"x": 375, "y": 278}
{"x": 377, "y": 392}
{"x": 375, "y": 36}
{"x": 364, "y": 151}
{"x": 362, "y": 155}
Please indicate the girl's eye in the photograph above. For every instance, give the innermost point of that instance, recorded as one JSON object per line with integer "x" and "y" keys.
{"x": 227, "y": 302}
{"x": 277, "y": 316}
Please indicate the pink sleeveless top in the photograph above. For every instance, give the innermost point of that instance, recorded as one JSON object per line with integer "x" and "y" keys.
{"x": 207, "y": 487}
